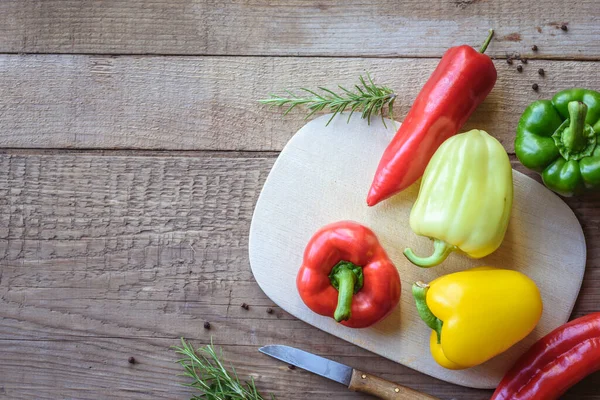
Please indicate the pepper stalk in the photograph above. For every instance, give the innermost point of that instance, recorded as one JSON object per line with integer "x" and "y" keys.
{"x": 419, "y": 291}
{"x": 441, "y": 250}
{"x": 574, "y": 138}
{"x": 348, "y": 279}
{"x": 485, "y": 44}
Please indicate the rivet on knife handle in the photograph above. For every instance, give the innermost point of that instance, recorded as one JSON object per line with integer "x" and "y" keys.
{"x": 366, "y": 383}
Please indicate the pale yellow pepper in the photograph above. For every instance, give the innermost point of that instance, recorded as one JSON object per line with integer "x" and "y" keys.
{"x": 465, "y": 198}
{"x": 477, "y": 314}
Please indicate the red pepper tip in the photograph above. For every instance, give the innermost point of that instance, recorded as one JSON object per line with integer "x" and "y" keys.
{"x": 376, "y": 195}
{"x": 371, "y": 199}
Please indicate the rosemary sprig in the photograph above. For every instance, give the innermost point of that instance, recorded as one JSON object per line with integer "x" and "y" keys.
{"x": 369, "y": 98}
{"x": 210, "y": 376}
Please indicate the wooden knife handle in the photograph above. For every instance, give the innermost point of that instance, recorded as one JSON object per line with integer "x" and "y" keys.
{"x": 365, "y": 383}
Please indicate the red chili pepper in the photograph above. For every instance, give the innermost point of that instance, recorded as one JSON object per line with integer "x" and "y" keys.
{"x": 346, "y": 274}
{"x": 555, "y": 363}
{"x": 461, "y": 81}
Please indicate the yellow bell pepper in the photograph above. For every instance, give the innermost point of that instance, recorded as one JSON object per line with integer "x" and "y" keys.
{"x": 477, "y": 314}
{"x": 465, "y": 198}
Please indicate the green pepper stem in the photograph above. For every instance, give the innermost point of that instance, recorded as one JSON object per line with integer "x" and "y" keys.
{"x": 441, "y": 250}
{"x": 419, "y": 291}
{"x": 348, "y": 279}
{"x": 573, "y": 137}
{"x": 485, "y": 44}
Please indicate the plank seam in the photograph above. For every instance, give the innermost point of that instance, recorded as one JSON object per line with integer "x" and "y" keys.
{"x": 325, "y": 56}
{"x": 104, "y": 152}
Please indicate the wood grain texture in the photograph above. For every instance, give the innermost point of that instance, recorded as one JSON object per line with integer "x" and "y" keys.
{"x": 382, "y": 389}
{"x": 95, "y": 260}
{"x": 104, "y": 255}
{"x": 298, "y": 27}
{"x": 210, "y": 103}
{"x": 93, "y": 368}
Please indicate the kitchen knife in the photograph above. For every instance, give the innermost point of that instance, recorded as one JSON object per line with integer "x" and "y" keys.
{"x": 354, "y": 379}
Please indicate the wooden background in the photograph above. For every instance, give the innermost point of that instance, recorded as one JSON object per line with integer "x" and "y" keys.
{"x": 133, "y": 151}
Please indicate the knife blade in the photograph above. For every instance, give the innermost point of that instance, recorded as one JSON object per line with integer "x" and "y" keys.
{"x": 354, "y": 379}
{"x": 311, "y": 362}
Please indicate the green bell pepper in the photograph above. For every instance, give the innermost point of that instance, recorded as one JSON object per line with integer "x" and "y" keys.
{"x": 560, "y": 138}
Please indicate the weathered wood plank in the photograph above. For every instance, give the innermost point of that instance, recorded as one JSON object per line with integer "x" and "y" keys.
{"x": 106, "y": 257}
{"x": 86, "y": 368}
{"x": 314, "y": 27}
{"x": 210, "y": 103}
{"x": 98, "y": 368}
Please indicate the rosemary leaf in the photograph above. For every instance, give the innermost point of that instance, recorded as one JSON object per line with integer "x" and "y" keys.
{"x": 211, "y": 377}
{"x": 369, "y": 98}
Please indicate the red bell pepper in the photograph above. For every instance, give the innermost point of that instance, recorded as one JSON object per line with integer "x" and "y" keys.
{"x": 461, "y": 81}
{"x": 347, "y": 275}
{"x": 555, "y": 363}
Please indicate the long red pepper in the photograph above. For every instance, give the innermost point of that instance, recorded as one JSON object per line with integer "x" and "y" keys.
{"x": 461, "y": 81}
{"x": 555, "y": 363}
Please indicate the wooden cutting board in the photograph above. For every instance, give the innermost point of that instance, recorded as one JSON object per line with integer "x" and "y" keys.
{"x": 323, "y": 175}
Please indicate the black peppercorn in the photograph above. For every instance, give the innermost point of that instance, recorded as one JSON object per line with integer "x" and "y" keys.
{"x": 131, "y": 360}
{"x": 245, "y": 306}
{"x": 520, "y": 68}
{"x": 509, "y": 60}
{"x": 207, "y": 325}
{"x": 564, "y": 27}
{"x": 269, "y": 310}
{"x": 534, "y": 48}
{"x": 291, "y": 366}
{"x": 524, "y": 60}
{"x": 535, "y": 87}
{"x": 541, "y": 71}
